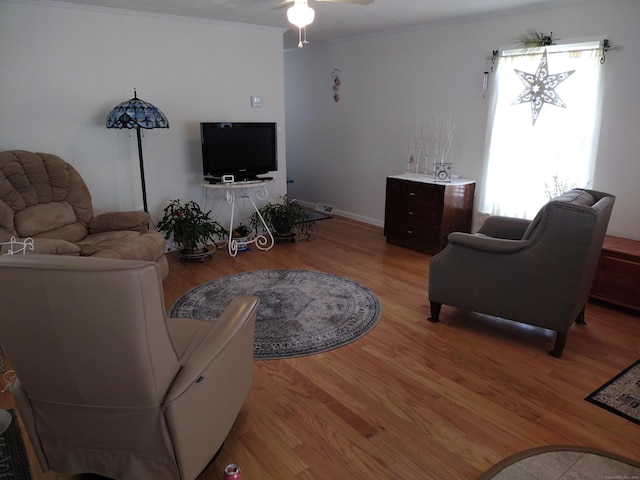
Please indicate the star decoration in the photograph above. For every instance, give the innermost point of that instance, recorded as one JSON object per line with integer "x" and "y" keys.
{"x": 540, "y": 88}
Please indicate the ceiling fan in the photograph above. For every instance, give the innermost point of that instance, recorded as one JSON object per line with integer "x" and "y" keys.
{"x": 301, "y": 14}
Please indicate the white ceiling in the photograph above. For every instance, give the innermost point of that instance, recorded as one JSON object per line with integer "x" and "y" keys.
{"x": 333, "y": 21}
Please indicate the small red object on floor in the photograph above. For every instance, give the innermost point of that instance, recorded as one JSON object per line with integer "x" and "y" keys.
{"x": 232, "y": 472}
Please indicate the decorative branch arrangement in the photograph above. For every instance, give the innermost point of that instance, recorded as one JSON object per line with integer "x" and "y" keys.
{"x": 414, "y": 149}
{"x": 432, "y": 141}
{"x": 533, "y": 38}
{"x": 560, "y": 186}
{"x": 439, "y": 139}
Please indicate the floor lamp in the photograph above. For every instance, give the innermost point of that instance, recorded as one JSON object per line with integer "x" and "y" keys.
{"x": 136, "y": 113}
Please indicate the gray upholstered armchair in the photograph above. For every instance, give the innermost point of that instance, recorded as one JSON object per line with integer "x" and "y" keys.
{"x": 106, "y": 383}
{"x": 537, "y": 272}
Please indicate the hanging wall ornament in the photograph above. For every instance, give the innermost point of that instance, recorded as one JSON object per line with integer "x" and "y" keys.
{"x": 336, "y": 84}
{"x": 489, "y": 71}
{"x": 540, "y": 88}
{"x": 485, "y": 83}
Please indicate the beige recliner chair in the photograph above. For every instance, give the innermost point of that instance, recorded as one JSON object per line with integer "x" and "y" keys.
{"x": 45, "y": 198}
{"x": 105, "y": 383}
{"x": 537, "y": 272}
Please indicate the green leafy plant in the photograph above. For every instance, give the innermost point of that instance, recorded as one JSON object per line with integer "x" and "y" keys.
{"x": 285, "y": 218}
{"x": 189, "y": 225}
{"x": 532, "y": 38}
{"x": 241, "y": 230}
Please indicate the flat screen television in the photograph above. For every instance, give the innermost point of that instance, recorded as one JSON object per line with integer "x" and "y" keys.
{"x": 242, "y": 149}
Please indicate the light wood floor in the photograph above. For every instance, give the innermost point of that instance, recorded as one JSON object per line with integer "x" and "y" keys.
{"x": 411, "y": 399}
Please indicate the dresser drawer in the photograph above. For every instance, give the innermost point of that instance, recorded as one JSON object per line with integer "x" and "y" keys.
{"x": 413, "y": 212}
{"x": 617, "y": 280}
{"x": 402, "y": 191}
{"x": 413, "y": 235}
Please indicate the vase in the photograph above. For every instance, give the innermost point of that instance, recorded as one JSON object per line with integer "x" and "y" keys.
{"x": 242, "y": 243}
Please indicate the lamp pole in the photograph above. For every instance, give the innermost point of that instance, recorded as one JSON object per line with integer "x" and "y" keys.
{"x": 136, "y": 113}
{"x": 144, "y": 188}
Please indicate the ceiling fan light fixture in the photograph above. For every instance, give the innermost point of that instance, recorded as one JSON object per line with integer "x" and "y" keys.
{"x": 301, "y": 14}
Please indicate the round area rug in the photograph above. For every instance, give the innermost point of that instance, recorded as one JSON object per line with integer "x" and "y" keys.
{"x": 563, "y": 462}
{"x": 301, "y": 312}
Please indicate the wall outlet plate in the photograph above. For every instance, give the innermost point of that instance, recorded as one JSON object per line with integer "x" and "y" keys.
{"x": 256, "y": 101}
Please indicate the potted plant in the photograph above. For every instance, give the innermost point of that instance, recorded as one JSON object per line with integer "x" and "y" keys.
{"x": 242, "y": 235}
{"x": 190, "y": 227}
{"x": 285, "y": 219}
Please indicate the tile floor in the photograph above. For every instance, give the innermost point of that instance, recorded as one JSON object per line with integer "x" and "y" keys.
{"x": 567, "y": 465}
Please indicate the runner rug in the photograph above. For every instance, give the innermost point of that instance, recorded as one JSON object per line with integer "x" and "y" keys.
{"x": 301, "y": 312}
{"x": 621, "y": 395}
{"x": 13, "y": 457}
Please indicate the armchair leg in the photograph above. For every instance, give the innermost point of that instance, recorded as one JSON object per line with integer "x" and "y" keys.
{"x": 435, "y": 312}
{"x": 580, "y": 318}
{"x": 558, "y": 348}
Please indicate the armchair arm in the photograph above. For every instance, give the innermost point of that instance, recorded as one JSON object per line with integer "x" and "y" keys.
{"x": 241, "y": 310}
{"x": 504, "y": 227}
{"x": 45, "y": 246}
{"x": 114, "y": 221}
{"x": 208, "y": 392}
{"x": 486, "y": 244}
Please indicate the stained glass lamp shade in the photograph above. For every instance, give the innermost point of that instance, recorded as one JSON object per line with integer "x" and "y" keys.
{"x": 137, "y": 113}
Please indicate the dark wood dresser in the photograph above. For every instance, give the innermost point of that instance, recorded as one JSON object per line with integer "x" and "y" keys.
{"x": 421, "y": 213}
{"x": 617, "y": 279}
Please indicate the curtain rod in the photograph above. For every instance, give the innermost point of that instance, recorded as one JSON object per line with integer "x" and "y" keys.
{"x": 604, "y": 45}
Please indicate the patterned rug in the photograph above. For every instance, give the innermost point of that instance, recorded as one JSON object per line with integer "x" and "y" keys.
{"x": 13, "y": 457}
{"x": 563, "y": 462}
{"x": 300, "y": 313}
{"x": 621, "y": 395}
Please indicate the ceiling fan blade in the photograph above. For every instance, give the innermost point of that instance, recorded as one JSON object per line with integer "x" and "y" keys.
{"x": 286, "y": 3}
{"x": 283, "y": 4}
{"x": 353, "y": 2}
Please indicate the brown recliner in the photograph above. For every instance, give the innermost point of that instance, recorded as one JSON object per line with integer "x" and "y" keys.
{"x": 537, "y": 272}
{"x": 105, "y": 383}
{"x": 45, "y": 198}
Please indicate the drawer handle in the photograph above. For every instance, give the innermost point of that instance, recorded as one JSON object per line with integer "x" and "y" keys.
{"x": 412, "y": 194}
{"x": 410, "y": 213}
{"x": 410, "y": 232}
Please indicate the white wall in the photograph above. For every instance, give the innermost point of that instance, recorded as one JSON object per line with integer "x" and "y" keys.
{"x": 340, "y": 153}
{"x": 63, "y": 68}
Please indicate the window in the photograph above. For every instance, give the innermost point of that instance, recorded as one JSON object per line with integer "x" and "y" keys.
{"x": 543, "y": 128}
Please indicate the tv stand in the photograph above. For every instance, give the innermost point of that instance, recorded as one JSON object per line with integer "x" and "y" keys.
{"x": 240, "y": 180}
{"x": 244, "y": 189}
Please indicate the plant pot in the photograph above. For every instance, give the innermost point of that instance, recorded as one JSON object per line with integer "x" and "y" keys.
{"x": 288, "y": 237}
{"x": 281, "y": 226}
{"x": 198, "y": 254}
{"x": 243, "y": 242}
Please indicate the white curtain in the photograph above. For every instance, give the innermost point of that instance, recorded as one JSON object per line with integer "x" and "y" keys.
{"x": 528, "y": 161}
